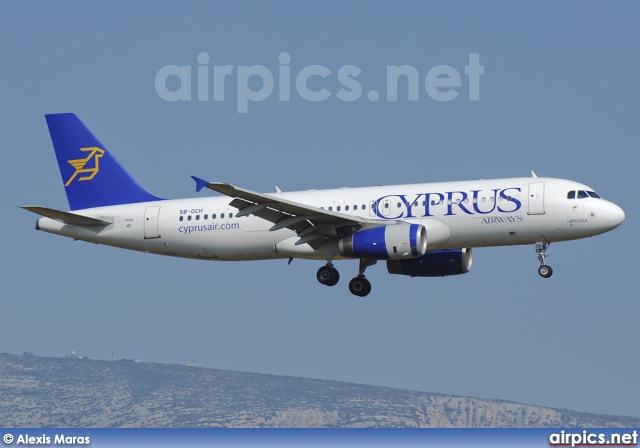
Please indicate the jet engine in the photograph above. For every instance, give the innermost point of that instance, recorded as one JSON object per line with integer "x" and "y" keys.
{"x": 439, "y": 263}
{"x": 389, "y": 242}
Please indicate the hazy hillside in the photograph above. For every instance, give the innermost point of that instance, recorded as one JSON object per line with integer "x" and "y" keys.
{"x": 71, "y": 392}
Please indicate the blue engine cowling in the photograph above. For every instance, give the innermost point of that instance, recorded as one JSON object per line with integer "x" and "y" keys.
{"x": 386, "y": 242}
{"x": 439, "y": 263}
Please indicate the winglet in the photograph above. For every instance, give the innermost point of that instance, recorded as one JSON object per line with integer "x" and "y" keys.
{"x": 200, "y": 183}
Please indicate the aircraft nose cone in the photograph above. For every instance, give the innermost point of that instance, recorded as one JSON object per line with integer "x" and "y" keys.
{"x": 615, "y": 216}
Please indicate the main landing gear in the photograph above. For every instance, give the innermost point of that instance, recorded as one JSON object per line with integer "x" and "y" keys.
{"x": 359, "y": 285}
{"x": 328, "y": 275}
{"x": 544, "y": 270}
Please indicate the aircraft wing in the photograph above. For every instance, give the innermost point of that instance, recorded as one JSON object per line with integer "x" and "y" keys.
{"x": 312, "y": 224}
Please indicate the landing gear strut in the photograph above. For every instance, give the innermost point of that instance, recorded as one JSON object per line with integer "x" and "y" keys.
{"x": 544, "y": 270}
{"x": 359, "y": 285}
{"x": 328, "y": 275}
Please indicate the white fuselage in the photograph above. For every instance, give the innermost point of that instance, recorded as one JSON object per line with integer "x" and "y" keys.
{"x": 478, "y": 213}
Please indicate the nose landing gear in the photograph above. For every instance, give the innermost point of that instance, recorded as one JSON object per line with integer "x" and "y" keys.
{"x": 544, "y": 270}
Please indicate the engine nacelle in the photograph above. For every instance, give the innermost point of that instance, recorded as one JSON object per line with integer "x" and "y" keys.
{"x": 439, "y": 263}
{"x": 386, "y": 242}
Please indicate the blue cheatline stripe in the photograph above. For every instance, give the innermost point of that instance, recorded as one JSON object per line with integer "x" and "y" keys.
{"x": 370, "y": 438}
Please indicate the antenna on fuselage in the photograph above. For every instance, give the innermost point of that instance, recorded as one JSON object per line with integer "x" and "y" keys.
{"x": 533, "y": 174}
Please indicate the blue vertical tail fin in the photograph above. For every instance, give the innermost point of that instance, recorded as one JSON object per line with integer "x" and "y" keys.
{"x": 92, "y": 177}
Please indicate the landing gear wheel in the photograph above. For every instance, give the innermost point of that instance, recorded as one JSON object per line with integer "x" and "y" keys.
{"x": 545, "y": 271}
{"x": 328, "y": 275}
{"x": 360, "y": 286}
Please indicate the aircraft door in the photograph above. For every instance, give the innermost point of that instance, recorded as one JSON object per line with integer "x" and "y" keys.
{"x": 386, "y": 207}
{"x": 380, "y": 208}
{"x": 372, "y": 208}
{"x": 151, "y": 222}
{"x": 536, "y": 198}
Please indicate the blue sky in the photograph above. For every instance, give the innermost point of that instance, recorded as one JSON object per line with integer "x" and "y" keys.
{"x": 559, "y": 95}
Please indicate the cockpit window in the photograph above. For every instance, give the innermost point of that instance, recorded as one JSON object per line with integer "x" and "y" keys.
{"x": 582, "y": 194}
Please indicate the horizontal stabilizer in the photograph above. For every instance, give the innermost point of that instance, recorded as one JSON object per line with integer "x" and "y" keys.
{"x": 66, "y": 217}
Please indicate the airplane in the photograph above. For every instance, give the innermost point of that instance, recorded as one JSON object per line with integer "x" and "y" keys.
{"x": 420, "y": 230}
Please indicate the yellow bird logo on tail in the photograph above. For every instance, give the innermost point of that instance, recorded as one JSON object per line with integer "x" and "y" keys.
{"x": 79, "y": 164}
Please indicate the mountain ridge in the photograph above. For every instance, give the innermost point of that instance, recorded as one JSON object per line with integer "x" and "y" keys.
{"x": 71, "y": 392}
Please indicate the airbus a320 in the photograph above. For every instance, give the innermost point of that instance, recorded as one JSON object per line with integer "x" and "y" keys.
{"x": 419, "y": 230}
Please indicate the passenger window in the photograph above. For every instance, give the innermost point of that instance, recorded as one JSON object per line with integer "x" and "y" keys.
{"x": 330, "y": 208}
{"x": 571, "y": 195}
{"x": 181, "y": 218}
{"x": 221, "y": 215}
{"x": 364, "y": 207}
{"x": 338, "y": 208}
{"x": 197, "y": 217}
{"x": 386, "y": 205}
{"x": 346, "y": 208}
{"x": 230, "y": 215}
